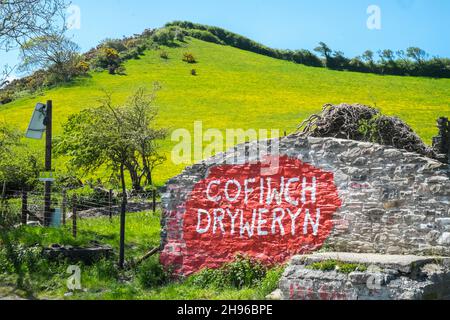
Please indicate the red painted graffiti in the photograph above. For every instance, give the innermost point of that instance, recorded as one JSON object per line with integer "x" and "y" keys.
{"x": 268, "y": 217}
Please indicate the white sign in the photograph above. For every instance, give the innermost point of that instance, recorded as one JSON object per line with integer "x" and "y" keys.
{"x": 37, "y": 127}
{"x": 46, "y": 177}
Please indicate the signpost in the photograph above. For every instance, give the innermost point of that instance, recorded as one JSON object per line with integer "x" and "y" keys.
{"x": 48, "y": 164}
{"x": 42, "y": 121}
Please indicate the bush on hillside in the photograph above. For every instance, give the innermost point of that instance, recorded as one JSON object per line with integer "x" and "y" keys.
{"x": 164, "y": 55}
{"x": 82, "y": 67}
{"x": 204, "y": 35}
{"x": 219, "y": 35}
{"x": 115, "y": 44}
{"x": 189, "y": 58}
{"x": 107, "y": 59}
{"x": 6, "y": 96}
{"x": 164, "y": 36}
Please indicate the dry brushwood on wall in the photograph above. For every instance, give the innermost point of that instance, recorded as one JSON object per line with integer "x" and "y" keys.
{"x": 363, "y": 123}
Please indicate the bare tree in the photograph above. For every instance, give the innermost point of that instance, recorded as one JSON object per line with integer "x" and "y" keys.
{"x": 4, "y": 75}
{"x": 22, "y": 20}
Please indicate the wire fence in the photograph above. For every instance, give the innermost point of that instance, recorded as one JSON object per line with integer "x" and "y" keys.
{"x": 66, "y": 205}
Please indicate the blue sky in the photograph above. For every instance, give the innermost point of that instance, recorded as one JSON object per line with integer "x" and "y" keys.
{"x": 284, "y": 24}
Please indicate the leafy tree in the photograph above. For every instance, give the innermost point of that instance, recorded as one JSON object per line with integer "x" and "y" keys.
{"x": 386, "y": 56}
{"x": 369, "y": 58}
{"x": 141, "y": 116}
{"x": 9, "y": 138}
{"x": 54, "y": 53}
{"x": 387, "y": 61}
{"x": 21, "y": 169}
{"x": 357, "y": 64}
{"x": 325, "y": 51}
{"x": 417, "y": 54}
{"x": 164, "y": 36}
{"x": 338, "y": 61}
{"x": 124, "y": 138}
{"x": 114, "y": 136}
{"x": 404, "y": 64}
{"x": 19, "y": 166}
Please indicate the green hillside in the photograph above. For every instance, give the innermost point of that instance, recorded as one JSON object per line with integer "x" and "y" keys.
{"x": 239, "y": 89}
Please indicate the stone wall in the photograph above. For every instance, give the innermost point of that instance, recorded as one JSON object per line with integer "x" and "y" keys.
{"x": 381, "y": 277}
{"x": 351, "y": 197}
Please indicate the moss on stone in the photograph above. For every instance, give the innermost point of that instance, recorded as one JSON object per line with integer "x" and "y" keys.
{"x": 339, "y": 266}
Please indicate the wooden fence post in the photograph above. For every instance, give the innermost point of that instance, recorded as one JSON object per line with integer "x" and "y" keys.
{"x": 110, "y": 204}
{"x": 154, "y": 199}
{"x": 24, "y": 207}
{"x": 4, "y": 191}
{"x": 74, "y": 216}
{"x": 64, "y": 206}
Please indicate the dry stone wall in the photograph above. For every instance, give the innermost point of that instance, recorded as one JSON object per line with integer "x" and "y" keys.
{"x": 344, "y": 195}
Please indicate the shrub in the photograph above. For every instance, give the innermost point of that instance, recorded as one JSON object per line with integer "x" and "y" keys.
{"x": 107, "y": 58}
{"x": 193, "y": 72}
{"x": 116, "y": 44}
{"x": 152, "y": 274}
{"x": 6, "y": 96}
{"x": 179, "y": 34}
{"x": 270, "y": 282}
{"x": 164, "y": 55}
{"x": 121, "y": 70}
{"x": 205, "y": 36}
{"x": 133, "y": 53}
{"x": 189, "y": 58}
{"x": 243, "y": 272}
{"x": 164, "y": 36}
{"x": 82, "y": 67}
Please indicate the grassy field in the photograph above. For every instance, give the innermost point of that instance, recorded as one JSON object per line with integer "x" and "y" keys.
{"x": 103, "y": 280}
{"x": 239, "y": 89}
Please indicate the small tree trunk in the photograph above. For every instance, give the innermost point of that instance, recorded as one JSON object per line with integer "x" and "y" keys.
{"x": 24, "y": 207}
{"x": 154, "y": 199}
{"x": 135, "y": 180}
{"x": 74, "y": 216}
{"x": 122, "y": 218}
